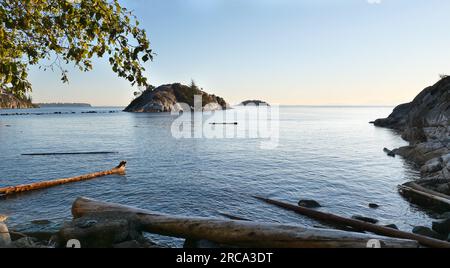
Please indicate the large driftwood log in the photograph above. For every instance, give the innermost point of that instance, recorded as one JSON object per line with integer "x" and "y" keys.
{"x": 120, "y": 169}
{"x": 424, "y": 198}
{"x": 420, "y": 188}
{"x": 357, "y": 224}
{"x": 236, "y": 233}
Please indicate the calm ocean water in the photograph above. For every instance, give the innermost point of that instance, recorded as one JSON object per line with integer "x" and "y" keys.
{"x": 330, "y": 154}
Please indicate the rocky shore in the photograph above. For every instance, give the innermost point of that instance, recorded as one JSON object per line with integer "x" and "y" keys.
{"x": 8, "y": 101}
{"x": 425, "y": 124}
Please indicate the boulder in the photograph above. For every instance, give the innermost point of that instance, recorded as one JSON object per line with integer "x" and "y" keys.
{"x": 443, "y": 188}
{"x": 425, "y": 231}
{"x": 433, "y": 165}
{"x": 445, "y": 216}
{"x": 442, "y": 227}
{"x": 28, "y": 242}
{"x": 309, "y": 203}
{"x": 102, "y": 230}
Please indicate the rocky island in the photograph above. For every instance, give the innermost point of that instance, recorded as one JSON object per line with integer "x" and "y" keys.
{"x": 166, "y": 97}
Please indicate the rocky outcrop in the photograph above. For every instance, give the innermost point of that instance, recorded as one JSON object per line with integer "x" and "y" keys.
{"x": 104, "y": 230}
{"x": 165, "y": 98}
{"x": 8, "y": 101}
{"x": 425, "y": 123}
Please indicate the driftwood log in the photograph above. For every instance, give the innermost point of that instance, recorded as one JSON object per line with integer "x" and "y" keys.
{"x": 428, "y": 197}
{"x": 359, "y": 225}
{"x": 419, "y": 187}
{"x": 120, "y": 169}
{"x": 76, "y": 153}
{"x": 236, "y": 233}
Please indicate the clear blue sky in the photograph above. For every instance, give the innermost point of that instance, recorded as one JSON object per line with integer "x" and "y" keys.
{"x": 314, "y": 52}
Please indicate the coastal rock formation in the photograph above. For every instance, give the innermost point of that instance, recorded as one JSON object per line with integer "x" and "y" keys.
{"x": 425, "y": 123}
{"x": 104, "y": 230}
{"x": 8, "y": 101}
{"x": 165, "y": 98}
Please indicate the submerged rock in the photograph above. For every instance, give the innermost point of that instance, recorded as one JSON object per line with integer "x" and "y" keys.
{"x": 442, "y": 227}
{"x": 41, "y": 222}
{"x": 167, "y": 97}
{"x": 309, "y": 203}
{"x": 365, "y": 219}
{"x": 392, "y": 226}
{"x": 425, "y": 231}
{"x": 389, "y": 152}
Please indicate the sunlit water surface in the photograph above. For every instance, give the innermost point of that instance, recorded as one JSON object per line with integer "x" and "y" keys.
{"x": 330, "y": 154}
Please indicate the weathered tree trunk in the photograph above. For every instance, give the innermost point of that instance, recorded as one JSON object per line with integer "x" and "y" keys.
{"x": 360, "y": 225}
{"x": 120, "y": 169}
{"x": 419, "y": 187}
{"x": 236, "y": 233}
{"x": 430, "y": 197}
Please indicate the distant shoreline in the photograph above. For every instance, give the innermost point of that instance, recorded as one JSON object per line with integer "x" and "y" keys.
{"x": 51, "y": 105}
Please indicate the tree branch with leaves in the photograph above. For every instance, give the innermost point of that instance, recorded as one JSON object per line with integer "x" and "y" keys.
{"x": 62, "y": 32}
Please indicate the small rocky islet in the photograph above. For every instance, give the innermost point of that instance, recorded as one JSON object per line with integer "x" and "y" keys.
{"x": 254, "y": 102}
{"x": 166, "y": 98}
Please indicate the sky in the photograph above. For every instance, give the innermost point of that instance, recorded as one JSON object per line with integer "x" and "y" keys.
{"x": 289, "y": 52}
